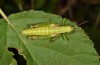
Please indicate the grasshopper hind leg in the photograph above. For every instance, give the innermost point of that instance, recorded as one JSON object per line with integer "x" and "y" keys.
{"x": 34, "y": 26}
{"x": 38, "y": 37}
{"x": 31, "y": 37}
{"x": 46, "y": 24}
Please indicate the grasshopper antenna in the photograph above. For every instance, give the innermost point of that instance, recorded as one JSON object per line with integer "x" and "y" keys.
{"x": 83, "y": 23}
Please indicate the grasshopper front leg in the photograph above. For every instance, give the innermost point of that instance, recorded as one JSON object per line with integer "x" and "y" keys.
{"x": 63, "y": 22}
{"x": 65, "y": 37}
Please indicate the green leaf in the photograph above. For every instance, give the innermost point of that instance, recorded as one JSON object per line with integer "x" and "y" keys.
{"x": 5, "y": 55}
{"x": 13, "y": 62}
{"x": 78, "y": 50}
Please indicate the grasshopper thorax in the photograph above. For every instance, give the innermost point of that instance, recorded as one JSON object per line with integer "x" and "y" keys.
{"x": 69, "y": 29}
{"x": 65, "y": 29}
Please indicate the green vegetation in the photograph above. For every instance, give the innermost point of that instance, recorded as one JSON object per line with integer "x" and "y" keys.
{"x": 17, "y": 49}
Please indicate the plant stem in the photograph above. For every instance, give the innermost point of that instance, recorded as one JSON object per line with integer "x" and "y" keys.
{"x": 97, "y": 21}
{"x": 32, "y": 4}
{"x": 5, "y": 17}
{"x": 19, "y": 4}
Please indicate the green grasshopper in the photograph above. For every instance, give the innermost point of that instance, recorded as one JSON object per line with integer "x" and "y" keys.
{"x": 46, "y": 30}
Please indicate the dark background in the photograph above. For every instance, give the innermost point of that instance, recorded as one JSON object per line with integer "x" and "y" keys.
{"x": 76, "y": 10}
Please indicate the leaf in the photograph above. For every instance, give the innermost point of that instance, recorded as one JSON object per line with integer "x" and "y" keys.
{"x": 5, "y": 55}
{"x": 78, "y": 50}
{"x": 13, "y": 62}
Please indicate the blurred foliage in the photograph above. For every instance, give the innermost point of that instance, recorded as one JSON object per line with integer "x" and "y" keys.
{"x": 38, "y": 3}
{"x": 75, "y": 10}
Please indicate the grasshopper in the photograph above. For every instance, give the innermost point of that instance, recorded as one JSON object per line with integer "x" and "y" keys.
{"x": 46, "y": 30}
